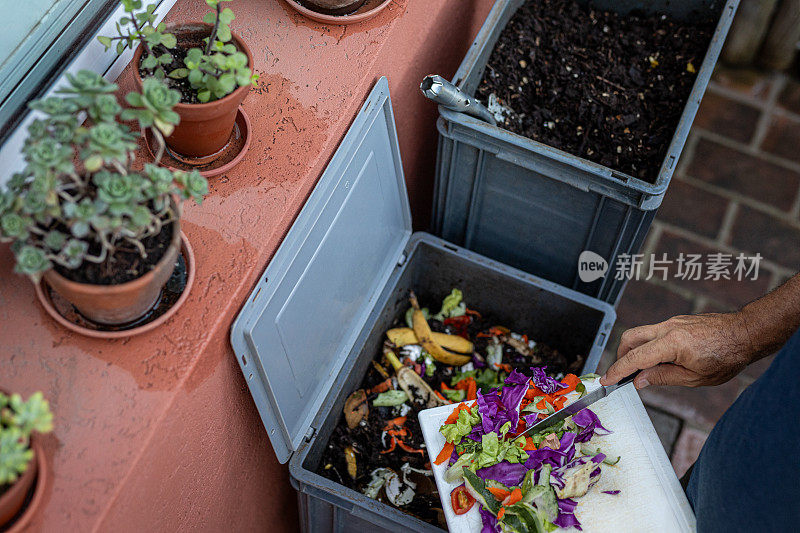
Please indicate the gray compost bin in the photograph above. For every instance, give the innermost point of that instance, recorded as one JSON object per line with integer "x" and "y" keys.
{"x": 342, "y": 275}
{"x": 537, "y": 208}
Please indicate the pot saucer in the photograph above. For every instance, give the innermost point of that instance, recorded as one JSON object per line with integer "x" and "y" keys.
{"x": 173, "y": 295}
{"x": 215, "y": 164}
{"x": 369, "y": 9}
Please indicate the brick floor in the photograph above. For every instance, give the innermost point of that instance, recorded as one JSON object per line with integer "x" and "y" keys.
{"x": 736, "y": 190}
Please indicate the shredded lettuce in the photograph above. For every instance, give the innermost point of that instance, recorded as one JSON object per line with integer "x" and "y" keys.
{"x": 452, "y": 306}
{"x": 485, "y": 378}
{"x": 410, "y": 313}
{"x": 454, "y": 395}
{"x": 462, "y": 426}
{"x": 390, "y": 398}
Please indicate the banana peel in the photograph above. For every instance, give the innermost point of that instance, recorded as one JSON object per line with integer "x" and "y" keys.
{"x": 425, "y": 337}
{"x": 418, "y": 391}
{"x": 405, "y": 336}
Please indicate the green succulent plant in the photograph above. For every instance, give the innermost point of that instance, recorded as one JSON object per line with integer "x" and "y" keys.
{"x": 79, "y": 198}
{"x": 214, "y": 71}
{"x": 18, "y": 419}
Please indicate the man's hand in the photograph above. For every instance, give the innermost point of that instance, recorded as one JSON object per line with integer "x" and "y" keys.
{"x": 708, "y": 349}
{"x": 685, "y": 350}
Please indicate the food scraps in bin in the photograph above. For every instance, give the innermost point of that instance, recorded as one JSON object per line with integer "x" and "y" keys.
{"x": 378, "y": 448}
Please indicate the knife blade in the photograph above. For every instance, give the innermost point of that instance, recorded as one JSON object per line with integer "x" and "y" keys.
{"x": 579, "y": 405}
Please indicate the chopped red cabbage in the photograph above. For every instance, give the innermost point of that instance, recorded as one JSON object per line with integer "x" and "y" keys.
{"x": 545, "y": 383}
{"x": 490, "y": 524}
{"x": 509, "y": 474}
{"x": 590, "y": 425}
{"x": 612, "y": 492}
{"x": 566, "y": 515}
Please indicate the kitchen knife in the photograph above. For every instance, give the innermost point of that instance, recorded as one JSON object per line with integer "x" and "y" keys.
{"x": 579, "y": 405}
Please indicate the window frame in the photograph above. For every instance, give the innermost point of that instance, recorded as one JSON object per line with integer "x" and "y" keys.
{"x": 91, "y": 55}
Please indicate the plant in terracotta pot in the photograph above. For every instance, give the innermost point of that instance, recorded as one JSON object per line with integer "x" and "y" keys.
{"x": 21, "y": 457}
{"x": 102, "y": 230}
{"x": 210, "y": 66}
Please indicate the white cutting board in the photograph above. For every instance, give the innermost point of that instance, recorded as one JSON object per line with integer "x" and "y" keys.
{"x": 651, "y": 498}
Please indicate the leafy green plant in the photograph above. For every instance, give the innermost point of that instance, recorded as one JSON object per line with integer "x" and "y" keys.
{"x": 138, "y": 26}
{"x": 80, "y": 198}
{"x": 18, "y": 419}
{"x": 213, "y": 72}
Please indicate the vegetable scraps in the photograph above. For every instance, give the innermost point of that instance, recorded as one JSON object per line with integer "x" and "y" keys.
{"x": 378, "y": 448}
{"x": 524, "y": 483}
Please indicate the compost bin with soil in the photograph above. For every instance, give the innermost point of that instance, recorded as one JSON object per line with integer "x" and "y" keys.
{"x": 607, "y": 87}
{"x": 377, "y": 447}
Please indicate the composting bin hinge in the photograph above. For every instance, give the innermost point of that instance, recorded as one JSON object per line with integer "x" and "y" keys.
{"x": 310, "y": 434}
{"x": 402, "y": 260}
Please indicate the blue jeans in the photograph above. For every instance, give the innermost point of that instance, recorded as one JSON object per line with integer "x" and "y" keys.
{"x": 747, "y": 477}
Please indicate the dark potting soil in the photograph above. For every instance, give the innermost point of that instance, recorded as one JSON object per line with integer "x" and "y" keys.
{"x": 607, "y": 87}
{"x": 366, "y": 439}
{"x": 125, "y": 265}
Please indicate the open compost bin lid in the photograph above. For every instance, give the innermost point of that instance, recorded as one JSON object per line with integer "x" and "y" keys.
{"x": 296, "y": 328}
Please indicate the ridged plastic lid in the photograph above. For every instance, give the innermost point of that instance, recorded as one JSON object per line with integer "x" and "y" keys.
{"x": 297, "y": 327}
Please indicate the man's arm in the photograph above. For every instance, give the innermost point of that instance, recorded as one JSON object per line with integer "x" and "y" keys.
{"x": 708, "y": 349}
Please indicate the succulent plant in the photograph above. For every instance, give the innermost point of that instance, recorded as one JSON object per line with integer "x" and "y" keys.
{"x": 213, "y": 72}
{"x": 18, "y": 419}
{"x": 79, "y": 198}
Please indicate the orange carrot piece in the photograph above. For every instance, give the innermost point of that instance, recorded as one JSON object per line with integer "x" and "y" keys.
{"x": 472, "y": 390}
{"x": 445, "y": 454}
{"x": 572, "y": 381}
{"x": 501, "y": 513}
{"x": 454, "y": 415}
{"x": 533, "y": 392}
{"x": 529, "y": 445}
{"x": 514, "y": 497}
{"x": 499, "y": 494}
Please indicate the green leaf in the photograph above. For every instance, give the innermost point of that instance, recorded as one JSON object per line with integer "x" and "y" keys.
{"x": 179, "y": 73}
{"x": 93, "y": 163}
{"x": 204, "y": 96}
{"x": 227, "y": 83}
{"x": 226, "y": 16}
{"x": 169, "y": 40}
{"x": 223, "y": 33}
{"x": 390, "y": 398}
{"x": 105, "y": 41}
{"x": 210, "y": 17}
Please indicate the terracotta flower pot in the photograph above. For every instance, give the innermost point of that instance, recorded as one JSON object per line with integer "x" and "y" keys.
{"x": 123, "y": 303}
{"x": 12, "y": 500}
{"x": 206, "y": 128}
{"x": 335, "y": 7}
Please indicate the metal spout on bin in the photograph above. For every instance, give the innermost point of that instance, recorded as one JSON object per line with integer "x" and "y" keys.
{"x": 445, "y": 93}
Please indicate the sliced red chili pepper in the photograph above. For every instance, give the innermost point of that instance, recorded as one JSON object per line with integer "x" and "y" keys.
{"x": 461, "y": 500}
